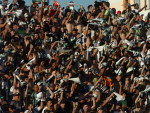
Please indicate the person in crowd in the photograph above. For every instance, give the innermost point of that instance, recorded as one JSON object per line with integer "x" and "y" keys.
{"x": 67, "y": 60}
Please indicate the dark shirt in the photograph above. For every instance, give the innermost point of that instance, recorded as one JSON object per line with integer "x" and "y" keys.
{"x": 60, "y": 110}
{"x": 17, "y": 104}
{"x": 116, "y": 86}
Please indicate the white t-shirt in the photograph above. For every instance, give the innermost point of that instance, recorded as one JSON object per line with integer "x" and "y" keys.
{"x": 13, "y": 90}
{"x": 38, "y": 108}
{"x": 136, "y": 10}
{"x": 44, "y": 109}
{"x": 119, "y": 97}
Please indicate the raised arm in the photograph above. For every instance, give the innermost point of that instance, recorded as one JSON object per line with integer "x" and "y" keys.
{"x": 106, "y": 101}
{"x": 68, "y": 66}
{"x": 52, "y": 94}
{"x": 132, "y": 86}
{"x": 142, "y": 8}
{"x": 94, "y": 103}
{"x": 67, "y": 20}
{"x": 52, "y": 47}
{"x": 26, "y": 92}
{"x": 98, "y": 81}
{"x": 144, "y": 48}
{"x": 3, "y": 25}
{"x": 75, "y": 106}
{"x": 31, "y": 48}
{"x": 61, "y": 97}
{"x": 137, "y": 98}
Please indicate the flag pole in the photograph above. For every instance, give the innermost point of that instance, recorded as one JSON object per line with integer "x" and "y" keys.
{"x": 43, "y": 1}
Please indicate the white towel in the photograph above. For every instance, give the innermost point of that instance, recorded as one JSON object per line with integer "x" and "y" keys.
{"x": 119, "y": 97}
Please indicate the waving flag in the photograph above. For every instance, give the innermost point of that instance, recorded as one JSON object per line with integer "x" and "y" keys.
{"x": 36, "y": 1}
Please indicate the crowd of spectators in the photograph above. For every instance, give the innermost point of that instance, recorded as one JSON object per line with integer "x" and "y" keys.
{"x": 63, "y": 60}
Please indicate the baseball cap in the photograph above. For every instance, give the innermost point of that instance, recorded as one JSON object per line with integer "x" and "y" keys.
{"x": 118, "y": 12}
